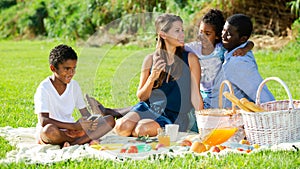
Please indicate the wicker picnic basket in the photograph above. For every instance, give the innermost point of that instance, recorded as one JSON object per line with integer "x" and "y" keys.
{"x": 279, "y": 123}
{"x": 210, "y": 119}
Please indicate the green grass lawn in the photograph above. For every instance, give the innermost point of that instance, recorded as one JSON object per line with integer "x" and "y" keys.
{"x": 111, "y": 74}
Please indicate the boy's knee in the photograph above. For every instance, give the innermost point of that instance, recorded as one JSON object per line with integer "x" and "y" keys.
{"x": 49, "y": 133}
{"x": 50, "y": 129}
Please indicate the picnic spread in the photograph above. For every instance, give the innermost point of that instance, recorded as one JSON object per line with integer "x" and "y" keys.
{"x": 273, "y": 125}
{"x": 111, "y": 145}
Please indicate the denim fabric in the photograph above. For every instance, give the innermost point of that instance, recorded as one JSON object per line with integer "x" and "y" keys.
{"x": 145, "y": 112}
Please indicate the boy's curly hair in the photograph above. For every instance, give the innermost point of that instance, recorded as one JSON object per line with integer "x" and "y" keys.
{"x": 60, "y": 54}
{"x": 215, "y": 18}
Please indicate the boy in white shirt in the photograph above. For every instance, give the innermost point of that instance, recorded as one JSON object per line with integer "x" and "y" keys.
{"x": 55, "y": 100}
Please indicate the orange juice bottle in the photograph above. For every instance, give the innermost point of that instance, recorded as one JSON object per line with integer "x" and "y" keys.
{"x": 162, "y": 137}
{"x": 219, "y": 135}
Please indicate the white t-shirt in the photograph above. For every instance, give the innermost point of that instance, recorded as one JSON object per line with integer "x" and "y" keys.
{"x": 59, "y": 107}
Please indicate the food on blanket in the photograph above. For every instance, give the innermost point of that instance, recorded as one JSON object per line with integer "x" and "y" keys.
{"x": 159, "y": 145}
{"x": 215, "y": 149}
{"x": 123, "y": 150}
{"x": 219, "y": 135}
{"x": 243, "y": 141}
{"x": 235, "y": 100}
{"x": 221, "y": 147}
{"x": 256, "y": 146}
{"x": 146, "y": 127}
{"x": 207, "y": 146}
{"x": 240, "y": 149}
{"x": 132, "y": 149}
{"x": 186, "y": 143}
{"x": 248, "y": 151}
{"x": 251, "y": 106}
{"x": 96, "y": 146}
{"x": 198, "y": 147}
{"x": 146, "y": 139}
{"x": 94, "y": 142}
{"x": 139, "y": 148}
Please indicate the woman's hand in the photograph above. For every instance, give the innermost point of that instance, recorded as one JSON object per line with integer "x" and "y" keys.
{"x": 158, "y": 66}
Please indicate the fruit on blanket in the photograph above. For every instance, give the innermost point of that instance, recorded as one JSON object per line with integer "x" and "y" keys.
{"x": 198, "y": 147}
{"x": 132, "y": 149}
{"x": 123, "y": 150}
{"x": 186, "y": 143}
{"x": 215, "y": 149}
{"x": 240, "y": 149}
{"x": 243, "y": 141}
{"x": 146, "y": 127}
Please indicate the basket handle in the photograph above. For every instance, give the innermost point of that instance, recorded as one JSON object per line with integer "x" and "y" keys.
{"x": 221, "y": 92}
{"x": 260, "y": 87}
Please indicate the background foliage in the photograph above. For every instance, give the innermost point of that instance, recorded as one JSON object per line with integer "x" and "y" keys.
{"x": 78, "y": 19}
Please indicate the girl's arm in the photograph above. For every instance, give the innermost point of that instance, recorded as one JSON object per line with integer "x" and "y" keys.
{"x": 242, "y": 51}
{"x": 195, "y": 69}
{"x": 147, "y": 79}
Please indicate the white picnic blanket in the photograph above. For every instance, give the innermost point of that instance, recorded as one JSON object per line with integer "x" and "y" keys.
{"x": 28, "y": 151}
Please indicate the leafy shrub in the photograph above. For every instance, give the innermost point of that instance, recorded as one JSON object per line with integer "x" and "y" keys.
{"x": 7, "y": 3}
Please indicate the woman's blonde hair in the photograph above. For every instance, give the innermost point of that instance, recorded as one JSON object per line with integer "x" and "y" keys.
{"x": 164, "y": 23}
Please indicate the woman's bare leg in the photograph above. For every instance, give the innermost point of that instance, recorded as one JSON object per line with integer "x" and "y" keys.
{"x": 126, "y": 125}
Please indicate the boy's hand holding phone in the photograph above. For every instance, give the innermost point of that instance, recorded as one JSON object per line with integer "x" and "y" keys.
{"x": 89, "y": 123}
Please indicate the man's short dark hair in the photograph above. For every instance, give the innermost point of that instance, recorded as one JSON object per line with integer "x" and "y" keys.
{"x": 242, "y": 23}
{"x": 60, "y": 54}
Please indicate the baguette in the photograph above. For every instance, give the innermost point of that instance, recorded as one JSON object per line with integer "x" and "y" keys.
{"x": 236, "y": 101}
{"x": 251, "y": 106}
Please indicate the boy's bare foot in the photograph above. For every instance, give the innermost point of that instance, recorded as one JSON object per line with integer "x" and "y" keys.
{"x": 94, "y": 105}
{"x": 98, "y": 108}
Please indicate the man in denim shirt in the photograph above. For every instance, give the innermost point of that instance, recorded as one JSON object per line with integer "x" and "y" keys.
{"x": 242, "y": 72}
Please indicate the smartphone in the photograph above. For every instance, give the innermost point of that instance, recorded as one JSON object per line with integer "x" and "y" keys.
{"x": 94, "y": 117}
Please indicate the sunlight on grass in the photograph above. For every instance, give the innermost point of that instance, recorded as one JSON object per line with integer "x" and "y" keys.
{"x": 111, "y": 74}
